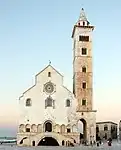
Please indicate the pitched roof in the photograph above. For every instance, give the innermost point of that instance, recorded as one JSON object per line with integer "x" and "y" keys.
{"x": 52, "y": 68}
{"x": 82, "y": 15}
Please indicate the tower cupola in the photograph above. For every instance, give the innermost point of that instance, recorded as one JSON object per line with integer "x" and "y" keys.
{"x": 82, "y": 21}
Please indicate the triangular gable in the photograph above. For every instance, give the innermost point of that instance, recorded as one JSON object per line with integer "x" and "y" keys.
{"x": 46, "y": 68}
{"x": 40, "y": 73}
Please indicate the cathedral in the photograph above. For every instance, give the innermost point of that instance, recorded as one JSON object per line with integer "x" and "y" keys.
{"x": 49, "y": 112}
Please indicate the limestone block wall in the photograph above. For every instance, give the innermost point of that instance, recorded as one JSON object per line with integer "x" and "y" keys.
{"x": 36, "y": 130}
{"x": 90, "y": 119}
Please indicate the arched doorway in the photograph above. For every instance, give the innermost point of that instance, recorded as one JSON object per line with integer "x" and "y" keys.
{"x": 48, "y": 127}
{"x": 63, "y": 143}
{"x": 48, "y": 141}
{"x": 82, "y": 127}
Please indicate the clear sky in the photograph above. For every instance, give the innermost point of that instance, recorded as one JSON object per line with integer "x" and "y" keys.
{"x": 32, "y": 32}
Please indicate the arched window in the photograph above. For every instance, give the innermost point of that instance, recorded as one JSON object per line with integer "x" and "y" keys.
{"x": 33, "y": 143}
{"x": 48, "y": 127}
{"x": 63, "y": 128}
{"x": 105, "y": 128}
{"x": 22, "y": 128}
{"x": 28, "y": 128}
{"x": 49, "y": 74}
{"x": 83, "y": 23}
{"x": 49, "y": 102}
{"x": 28, "y": 102}
{"x": 68, "y": 103}
{"x": 68, "y": 130}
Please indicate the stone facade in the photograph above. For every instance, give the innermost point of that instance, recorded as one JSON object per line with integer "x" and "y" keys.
{"x": 49, "y": 111}
{"x": 106, "y": 130}
{"x": 43, "y": 104}
{"x": 82, "y": 73}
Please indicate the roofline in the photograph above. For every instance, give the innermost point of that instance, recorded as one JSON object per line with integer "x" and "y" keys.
{"x": 20, "y": 96}
{"x": 46, "y": 68}
{"x": 90, "y": 27}
{"x": 36, "y": 80}
{"x": 29, "y": 88}
{"x": 102, "y": 122}
{"x": 67, "y": 89}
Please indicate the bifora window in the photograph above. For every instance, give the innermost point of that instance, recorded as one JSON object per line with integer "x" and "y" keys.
{"x": 84, "y": 51}
{"x": 84, "y": 69}
{"x": 83, "y": 38}
{"x": 49, "y": 102}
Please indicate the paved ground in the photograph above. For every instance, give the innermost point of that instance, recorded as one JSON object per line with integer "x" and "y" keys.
{"x": 115, "y": 146}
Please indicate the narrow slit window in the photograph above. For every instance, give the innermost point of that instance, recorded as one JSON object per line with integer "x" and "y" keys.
{"x": 49, "y": 74}
{"x": 84, "y": 51}
{"x": 84, "y": 85}
{"x": 67, "y": 103}
{"x": 83, "y": 23}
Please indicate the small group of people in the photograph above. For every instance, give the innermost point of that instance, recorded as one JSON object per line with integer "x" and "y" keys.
{"x": 109, "y": 141}
{"x": 97, "y": 143}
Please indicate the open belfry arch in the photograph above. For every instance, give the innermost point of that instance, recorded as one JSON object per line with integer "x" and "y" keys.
{"x": 50, "y": 114}
{"x": 83, "y": 75}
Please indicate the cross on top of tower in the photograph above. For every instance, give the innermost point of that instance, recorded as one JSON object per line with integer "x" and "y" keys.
{"x": 49, "y": 62}
{"x": 82, "y": 16}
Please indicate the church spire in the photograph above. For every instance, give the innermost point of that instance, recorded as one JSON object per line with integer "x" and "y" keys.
{"x": 82, "y": 21}
{"x": 82, "y": 16}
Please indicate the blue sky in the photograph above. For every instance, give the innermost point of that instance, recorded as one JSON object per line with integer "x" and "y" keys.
{"x": 34, "y": 32}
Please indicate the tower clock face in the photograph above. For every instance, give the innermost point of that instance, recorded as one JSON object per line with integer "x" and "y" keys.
{"x": 49, "y": 87}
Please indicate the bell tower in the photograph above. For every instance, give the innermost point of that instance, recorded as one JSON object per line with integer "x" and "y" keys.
{"x": 82, "y": 63}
